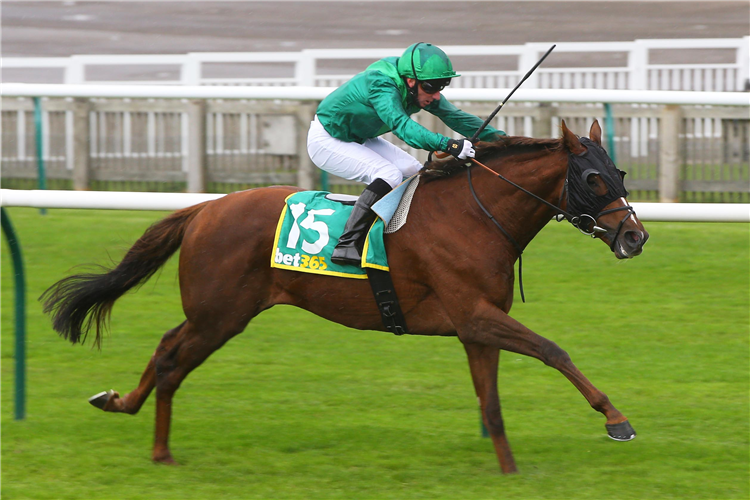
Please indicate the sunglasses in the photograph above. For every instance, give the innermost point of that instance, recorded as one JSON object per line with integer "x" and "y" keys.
{"x": 433, "y": 86}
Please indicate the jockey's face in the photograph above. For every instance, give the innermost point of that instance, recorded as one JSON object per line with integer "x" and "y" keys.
{"x": 423, "y": 98}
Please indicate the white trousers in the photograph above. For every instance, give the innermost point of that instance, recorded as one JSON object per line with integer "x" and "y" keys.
{"x": 375, "y": 159}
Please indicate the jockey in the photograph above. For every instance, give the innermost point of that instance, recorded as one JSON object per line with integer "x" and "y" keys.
{"x": 343, "y": 138}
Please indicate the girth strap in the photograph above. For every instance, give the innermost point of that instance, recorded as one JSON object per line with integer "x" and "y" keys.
{"x": 385, "y": 296}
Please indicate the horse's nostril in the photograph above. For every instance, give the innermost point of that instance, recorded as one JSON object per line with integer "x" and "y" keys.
{"x": 634, "y": 238}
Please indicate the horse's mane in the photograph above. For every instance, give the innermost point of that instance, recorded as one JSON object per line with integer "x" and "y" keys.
{"x": 503, "y": 146}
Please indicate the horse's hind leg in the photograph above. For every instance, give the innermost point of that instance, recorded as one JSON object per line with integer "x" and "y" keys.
{"x": 191, "y": 346}
{"x": 132, "y": 402}
{"x": 483, "y": 364}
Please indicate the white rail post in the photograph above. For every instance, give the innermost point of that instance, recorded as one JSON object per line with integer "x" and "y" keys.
{"x": 638, "y": 66}
{"x": 542, "y": 121}
{"x": 81, "y": 143}
{"x": 670, "y": 122}
{"x": 743, "y": 59}
{"x": 526, "y": 61}
{"x": 196, "y": 175}
{"x": 304, "y": 69}
{"x": 75, "y": 71}
{"x": 191, "y": 71}
{"x": 306, "y": 169}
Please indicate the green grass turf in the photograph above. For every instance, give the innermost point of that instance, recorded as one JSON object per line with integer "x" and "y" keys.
{"x": 297, "y": 407}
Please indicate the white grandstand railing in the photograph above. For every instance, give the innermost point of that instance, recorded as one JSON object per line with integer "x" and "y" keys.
{"x": 319, "y": 93}
{"x": 108, "y": 200}
{"x": 303, "y": 67}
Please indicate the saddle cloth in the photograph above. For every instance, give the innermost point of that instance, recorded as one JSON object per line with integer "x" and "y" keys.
{"x": 312, "y": 222}
{"x": 309, "y": 227}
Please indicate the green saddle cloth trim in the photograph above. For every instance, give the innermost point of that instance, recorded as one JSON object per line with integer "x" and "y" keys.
{"x": 309, "y": 228}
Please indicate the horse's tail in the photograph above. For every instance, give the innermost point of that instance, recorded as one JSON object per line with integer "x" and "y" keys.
{"x": 81, "y": 301}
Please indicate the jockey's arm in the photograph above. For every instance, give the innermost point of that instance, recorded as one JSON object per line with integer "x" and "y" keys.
{"x": 462, "y": 122}
{"x": 386, "y": 100}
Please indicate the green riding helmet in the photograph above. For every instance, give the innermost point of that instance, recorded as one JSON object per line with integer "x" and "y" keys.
{"x": 429, "y": 62}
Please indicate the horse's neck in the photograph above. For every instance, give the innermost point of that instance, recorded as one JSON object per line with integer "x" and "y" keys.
{"x": 522, "y": 215}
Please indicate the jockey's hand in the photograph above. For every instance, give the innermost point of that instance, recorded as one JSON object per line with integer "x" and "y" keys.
{"x": 461, "y": 148}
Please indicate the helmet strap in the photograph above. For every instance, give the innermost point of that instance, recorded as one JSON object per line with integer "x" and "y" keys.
{"x": 414, "y": 91}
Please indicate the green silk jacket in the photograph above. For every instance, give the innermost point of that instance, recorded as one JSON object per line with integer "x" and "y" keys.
{"x": 376, "y": 101}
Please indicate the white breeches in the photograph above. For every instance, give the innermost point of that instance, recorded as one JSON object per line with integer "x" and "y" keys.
{"x": 375, "y": 159}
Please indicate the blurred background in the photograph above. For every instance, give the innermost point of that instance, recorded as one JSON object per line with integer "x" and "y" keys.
{"x": 69, "y": 28}
{"x": 138, "y": 144}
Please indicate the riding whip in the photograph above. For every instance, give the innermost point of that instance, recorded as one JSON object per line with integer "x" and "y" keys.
{"x": 489, "y": 118}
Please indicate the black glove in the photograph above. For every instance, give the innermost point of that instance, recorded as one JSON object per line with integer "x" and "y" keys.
{"x": 461, "y": 148}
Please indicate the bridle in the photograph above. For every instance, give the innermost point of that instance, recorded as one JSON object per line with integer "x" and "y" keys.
{"x": 590, "y": 229}
{"x": 631, "y": 211}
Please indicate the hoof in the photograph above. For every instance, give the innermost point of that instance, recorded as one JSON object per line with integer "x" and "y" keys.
{"x": 166, "y": 460}
{"x": 620, "y": 432}
{"x": 100, "y": 400}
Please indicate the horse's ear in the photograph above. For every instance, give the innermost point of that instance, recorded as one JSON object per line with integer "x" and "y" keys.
{"x": 595, "y": 134}
{"x": 570, "y": 140}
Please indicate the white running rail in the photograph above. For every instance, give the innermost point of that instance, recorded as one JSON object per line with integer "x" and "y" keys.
{"x": 319, "y": 93}
{"x": 108, "y": 200}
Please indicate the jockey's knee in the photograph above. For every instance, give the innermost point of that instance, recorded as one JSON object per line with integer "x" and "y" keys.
{"x": 409, "y": 167}
{"x": 393, "y": 178}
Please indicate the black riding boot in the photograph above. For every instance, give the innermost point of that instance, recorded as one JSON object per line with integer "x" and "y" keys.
{"x": 349, "y": 248}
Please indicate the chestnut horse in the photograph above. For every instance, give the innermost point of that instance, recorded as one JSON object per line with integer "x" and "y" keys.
{"x": 226, "y": 280}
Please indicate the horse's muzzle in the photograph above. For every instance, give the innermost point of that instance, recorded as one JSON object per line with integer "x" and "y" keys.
{"x": 630, "y": 243}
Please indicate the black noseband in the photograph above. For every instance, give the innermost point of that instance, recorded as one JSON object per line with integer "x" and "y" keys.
{"x": 630, "y": 210}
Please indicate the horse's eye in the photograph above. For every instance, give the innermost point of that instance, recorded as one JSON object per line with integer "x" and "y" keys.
{"x": 595, "y": 183}
{"x": 590, "y": 177}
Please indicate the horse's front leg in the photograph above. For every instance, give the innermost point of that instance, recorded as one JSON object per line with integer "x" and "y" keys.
{"x": 483, "y": 365}
{"x": 489, "y": 325}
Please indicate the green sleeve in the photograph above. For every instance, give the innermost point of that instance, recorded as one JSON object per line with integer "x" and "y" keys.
{"x": 386, "y": 100}
{"x": 464, "y": 123}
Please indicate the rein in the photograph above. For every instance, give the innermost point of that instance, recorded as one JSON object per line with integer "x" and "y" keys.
{"x": 559, "y": 216}
{"x": 502, "y": 229}
{"x": 567, "y": 215}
